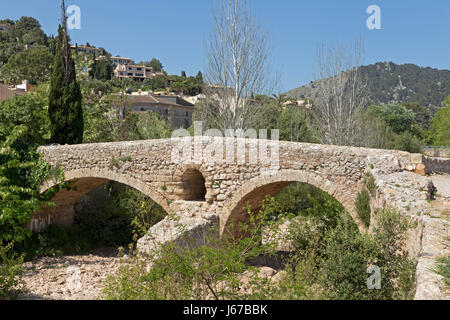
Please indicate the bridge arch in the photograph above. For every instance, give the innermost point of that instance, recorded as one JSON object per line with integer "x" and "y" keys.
{"x": 253, "y": 191}
{"x": 85, "y": 181}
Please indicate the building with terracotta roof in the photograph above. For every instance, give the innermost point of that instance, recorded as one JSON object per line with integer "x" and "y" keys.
{"x": 172, "y": 108}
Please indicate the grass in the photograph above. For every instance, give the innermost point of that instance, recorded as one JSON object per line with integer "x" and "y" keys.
{"x": 443, "y": 268}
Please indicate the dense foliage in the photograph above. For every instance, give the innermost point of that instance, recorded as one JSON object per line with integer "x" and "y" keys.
{"x": 440, "y": 127}
{"x": 33, "y": 65}
{"x": 23, "y": 33}
{"x": 330, "y": 262}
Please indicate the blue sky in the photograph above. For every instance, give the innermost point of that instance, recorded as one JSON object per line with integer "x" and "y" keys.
{"x": 413, "y": 31}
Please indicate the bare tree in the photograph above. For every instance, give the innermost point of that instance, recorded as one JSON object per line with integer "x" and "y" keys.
{"x": 341, "y": 94}
{"x": 237, "y": 67}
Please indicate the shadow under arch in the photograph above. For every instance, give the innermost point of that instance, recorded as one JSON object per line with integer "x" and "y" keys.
{"x": 85, "y": 180}
{"x": 255, "y": 190}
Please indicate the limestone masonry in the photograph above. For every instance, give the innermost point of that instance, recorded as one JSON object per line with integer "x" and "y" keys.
{"x": 204, "y": 193}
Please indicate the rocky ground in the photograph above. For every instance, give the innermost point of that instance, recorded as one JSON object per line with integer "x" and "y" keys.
{"x": 82, "y": 277}
{"x": 435, "y": 242}
{"x": 70, "y": 277}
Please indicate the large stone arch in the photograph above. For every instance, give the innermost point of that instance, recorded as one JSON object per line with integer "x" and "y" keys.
{"x": 85, "y": 181}
{"x": 253, "y": 192}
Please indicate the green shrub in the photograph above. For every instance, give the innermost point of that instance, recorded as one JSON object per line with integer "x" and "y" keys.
{"x": 362, "y": 205}
{"x": 408, "y": 142}
{"x": 10, "y": 273}
{"x": 443, "y": 268}
{"x": 209, "y": 271}
{"x": 348, "y": 253}
{"x": 370, "y": 184}
{"x": 305, "y": 200}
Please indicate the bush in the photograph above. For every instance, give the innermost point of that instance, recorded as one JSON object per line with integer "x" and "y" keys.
{"x": 408, "y": 142}
{"x": 344, "y": 255}
{"x": 347, "y": 256}
{"x": 10, "y": 273}
{"x": 443, "y": 268}
{"x": 362, "y": 205}
{"x": 210, "y": 271}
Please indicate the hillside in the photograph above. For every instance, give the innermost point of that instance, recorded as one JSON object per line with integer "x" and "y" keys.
{"x": 389, "y": 82}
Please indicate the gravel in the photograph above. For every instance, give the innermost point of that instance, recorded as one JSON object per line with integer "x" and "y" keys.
{"x": 70, "y": 277}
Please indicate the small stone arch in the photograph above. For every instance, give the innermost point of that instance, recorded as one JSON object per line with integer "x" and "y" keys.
{"x": 253, "y": 192}
{"x": 194, "y": 185}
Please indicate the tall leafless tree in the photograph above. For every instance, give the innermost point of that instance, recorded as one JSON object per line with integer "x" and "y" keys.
{"x": 340, "y": 94}
{"x": 237, "y": 67}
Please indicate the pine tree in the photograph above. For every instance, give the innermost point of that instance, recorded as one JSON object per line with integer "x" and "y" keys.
{"x": 65, "y": 109}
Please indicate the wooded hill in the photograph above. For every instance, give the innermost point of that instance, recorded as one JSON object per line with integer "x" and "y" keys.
{"x": 390, "y": 82}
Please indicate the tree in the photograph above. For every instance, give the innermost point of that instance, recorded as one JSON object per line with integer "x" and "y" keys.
{"x": 237, "y": 66}
{"x": 21, "y": 172}
{"x": 33, "y": 64}
{"x": 398, "y": 117}
{"x": 340, "y": 94}
{"x": 29, "y": 31}
{"x": 29, "y": 110}
{"x": 155, "y": 64}
{"x": 440, "y": 127}
{"x": 101, "y": 69}
{"x": 422, "y": 114}
{"x": 158, "y": 82}
{"x": 199, "y": 77}
{"x": 65, "y": 109}
{"x": 294, "y": 125}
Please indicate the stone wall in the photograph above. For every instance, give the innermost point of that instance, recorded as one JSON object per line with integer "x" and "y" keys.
{"x": 156, "y": 168}
{"x": 438, "y": 152}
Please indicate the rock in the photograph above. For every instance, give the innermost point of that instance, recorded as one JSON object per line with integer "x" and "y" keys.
{"x": 279, "y": 276}
{"x": 221, "y": 197}
{"x": 266, "y": 272}
{"x": 420, "y": 169}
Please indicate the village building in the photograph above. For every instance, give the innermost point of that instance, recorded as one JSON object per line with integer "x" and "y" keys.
{"x": 135, "y": 72}
{"x": 172, "y": 108}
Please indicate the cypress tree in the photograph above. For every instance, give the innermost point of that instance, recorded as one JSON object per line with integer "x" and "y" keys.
{"x": 65, "y": 109}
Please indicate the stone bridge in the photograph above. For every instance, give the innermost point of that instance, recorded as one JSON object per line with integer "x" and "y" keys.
{"x": 207, "y": 181}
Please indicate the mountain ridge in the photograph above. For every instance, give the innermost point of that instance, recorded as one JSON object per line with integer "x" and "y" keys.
{"x": 389, "y": 82}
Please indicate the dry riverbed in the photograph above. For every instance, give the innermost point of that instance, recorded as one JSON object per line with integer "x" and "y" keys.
{"x": 70, "y": 277}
